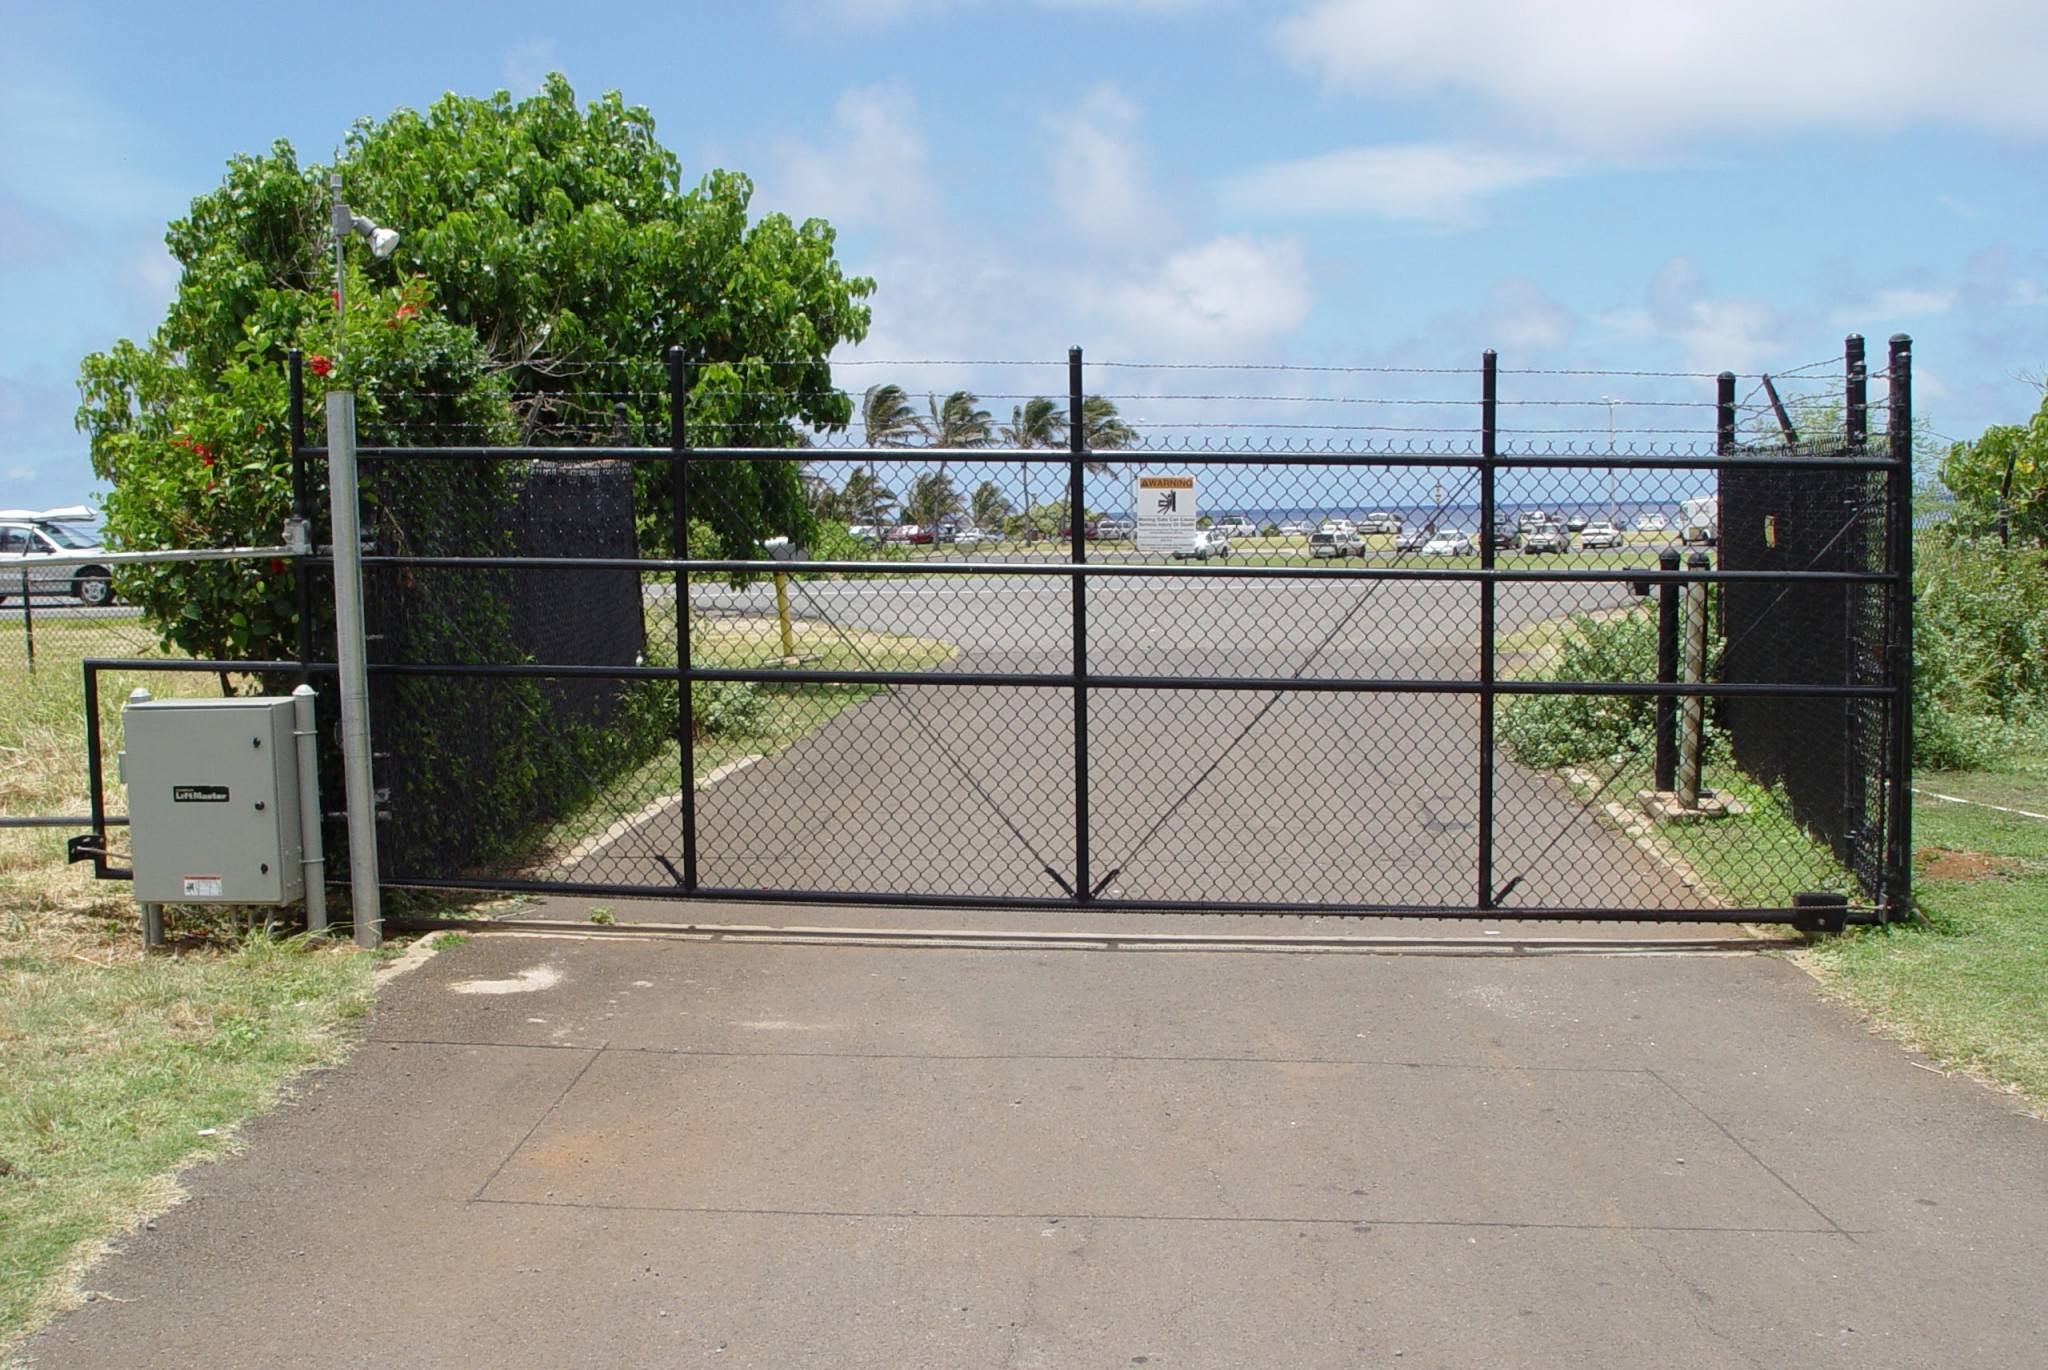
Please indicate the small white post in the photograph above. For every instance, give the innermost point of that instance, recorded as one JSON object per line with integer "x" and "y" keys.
{"x": 352, "y": 655}
{"x": 312, "y": 854}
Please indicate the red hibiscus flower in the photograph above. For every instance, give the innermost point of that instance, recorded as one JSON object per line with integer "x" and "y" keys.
{"x": 320, "y": 365}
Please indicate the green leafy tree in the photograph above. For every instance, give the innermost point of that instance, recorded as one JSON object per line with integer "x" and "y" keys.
{"x": 2000, "y": 480}
{"x": 550, "y": 257}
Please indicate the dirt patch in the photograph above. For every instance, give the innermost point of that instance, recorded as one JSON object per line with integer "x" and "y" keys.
{"x": 1939, "y": 863}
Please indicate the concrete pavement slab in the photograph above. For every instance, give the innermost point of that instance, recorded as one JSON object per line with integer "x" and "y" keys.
{"x": 566, "y": 1152}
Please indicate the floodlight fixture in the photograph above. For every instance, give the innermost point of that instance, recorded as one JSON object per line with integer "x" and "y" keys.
{"x": 383, "y": 241}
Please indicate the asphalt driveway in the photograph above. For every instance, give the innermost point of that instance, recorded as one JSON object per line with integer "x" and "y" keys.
{"x": 1195, "y": 795}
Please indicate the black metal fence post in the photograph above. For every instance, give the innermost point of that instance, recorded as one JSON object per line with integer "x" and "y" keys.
{"x": 1899, "y": 432}
{"x": 1489, "y": 438}
{"x": 686, "y": 732}
{"x": 28, "y": 620}
{"x": 1856, "y": 406}
{"x": 1724, "y": 413}
{"x": 302, "y": 598}
{"x": 1077, "y": 449}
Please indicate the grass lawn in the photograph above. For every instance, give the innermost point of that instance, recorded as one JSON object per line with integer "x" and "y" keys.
{"x": 116, "y": 1070}
{"x": 1970, "y": 986}
{"x": 767, "y": 719}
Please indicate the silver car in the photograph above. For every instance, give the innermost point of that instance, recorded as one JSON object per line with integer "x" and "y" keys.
{"x": 29, "y": 546}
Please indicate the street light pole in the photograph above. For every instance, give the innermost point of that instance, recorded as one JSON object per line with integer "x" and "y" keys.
{"x": 1613, "y": 505}
{"x": 351, "y": 651}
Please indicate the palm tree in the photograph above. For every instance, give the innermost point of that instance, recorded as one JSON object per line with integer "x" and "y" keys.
{"x": 887, "y": 417}
{"x": 933, "y": 500}
{"x": 888, "y": 420}
{"x": 990, "y": 507}
{"x": 865, "y": 500}
{"x": 959, "y": 422}
{"x": 1103, "y": 429}
{"x": 1036, "y": 423}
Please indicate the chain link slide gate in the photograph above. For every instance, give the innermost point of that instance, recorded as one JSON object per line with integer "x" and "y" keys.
{"x": 1484, "y": 675}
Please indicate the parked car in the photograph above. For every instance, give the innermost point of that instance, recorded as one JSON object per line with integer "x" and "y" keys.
{"x": 1115, "y": 529}
{"x": 867, "y": 532}
{"x": 1546, "y": 537}
{"x": 1235, "y": 526}
{"x": 1600, "y": 533}
{"x": 1339, "y": 526}
{"x": 1652, "y": 523}
{"x": 1506, "y": 537}
{"x": 1412, "y": 539}
{"x": 1205, "y": 543}
{"x": 1576, "y": 523}
{"x": 1449, "y": 543}
{"x": 971, "y": 535}
{"x": 1295, "y": 528}
{"x": 30, "y": 540}
{"x": 1529, "y": 518}
{"x": 1334, "y": 545}
{"x": 1380, "y": 521}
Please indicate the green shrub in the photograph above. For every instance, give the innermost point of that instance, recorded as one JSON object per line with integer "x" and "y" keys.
{"x": 1549, "y": 731}
{"x": 727, "y": 708}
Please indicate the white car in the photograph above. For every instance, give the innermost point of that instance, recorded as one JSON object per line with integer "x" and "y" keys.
{"x": 1379, "y": 521}
{"x": 1600, "y": 533}
{"x": 1235, "y": 526}
{"x": 1206, "y": 543}
{"x": 973, "y": 536}
{"x": 1449, "y": 543}
{"x": 1339, "y": 526}
{"x": 31, "y": 541}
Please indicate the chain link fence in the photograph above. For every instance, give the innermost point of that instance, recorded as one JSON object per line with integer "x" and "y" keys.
{"x": 1559, "y": 654}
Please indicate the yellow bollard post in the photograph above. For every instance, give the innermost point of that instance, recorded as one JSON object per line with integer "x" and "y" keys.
{"x": 782, "y": 618}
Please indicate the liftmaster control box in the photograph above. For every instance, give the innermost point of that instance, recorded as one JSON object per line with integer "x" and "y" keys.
{"x": 213, "y": 801}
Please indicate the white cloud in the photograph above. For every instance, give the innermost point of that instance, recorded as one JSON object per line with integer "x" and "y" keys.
{"x": 1097, "y": 178}
{"x": 1629, "y": 74}
{"x": 527, "y": 64}
{"x": 1711, "y": 333}
{"x": 1434, "y": 183}
{"x": 1229, "y": 297}
{"x": 874, "y": 14}
{"x": 1907, "y": 302}
{"x": 870, "y": 169}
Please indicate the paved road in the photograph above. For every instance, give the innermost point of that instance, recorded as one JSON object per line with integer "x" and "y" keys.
{"x": 745, "y": 1155}
{"x": 1212, "y": 796}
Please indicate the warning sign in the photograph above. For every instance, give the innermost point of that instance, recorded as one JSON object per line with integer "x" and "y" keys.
{"x": 1166, "y": 513}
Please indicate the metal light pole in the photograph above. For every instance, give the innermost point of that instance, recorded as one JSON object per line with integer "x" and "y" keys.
{"x": 1613, "y": 505}
{"x": 350, "y": 648}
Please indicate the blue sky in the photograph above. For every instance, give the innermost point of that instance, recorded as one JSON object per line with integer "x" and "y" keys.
{"x": 1620, "y": 184}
